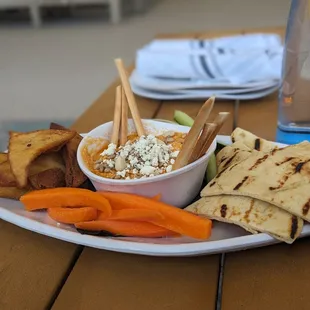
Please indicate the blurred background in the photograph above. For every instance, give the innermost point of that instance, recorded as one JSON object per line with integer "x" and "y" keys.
{"x": 56, "y": 57}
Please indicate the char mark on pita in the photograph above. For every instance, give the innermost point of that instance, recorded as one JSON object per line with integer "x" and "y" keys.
{"x": 241, "y": 183}
{"x": 257, "y": 144}
{"x": 259, "y": 161}
{"x": 294, "y": 227}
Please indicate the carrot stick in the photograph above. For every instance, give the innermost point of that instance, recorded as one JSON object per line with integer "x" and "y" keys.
{"x": 127, "y": 228}
{"x": 72, "y": 216}
{"x": 134, "y": 215}
{"x": 178, "y": 220}
{"x": 65, "y": 197}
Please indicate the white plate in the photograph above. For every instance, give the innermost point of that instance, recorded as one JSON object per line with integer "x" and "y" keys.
{"x": 225, "y": 237}
{"x": 196, "y": 95}
{"x": 165, "y": 84}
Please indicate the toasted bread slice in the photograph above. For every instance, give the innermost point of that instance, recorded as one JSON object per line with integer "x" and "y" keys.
{"x": 47, "y": 171}
{"x": 3, "y": 157}
{"x": 12, "y": 192}
{"x": 24, "y": 148}
{"x": 7, "y": 178}
{"x": 41, "y": 164}
{"x": 74, "y": 175}
{"x": 45, "y": 162}
{"x": 50, "y": 178}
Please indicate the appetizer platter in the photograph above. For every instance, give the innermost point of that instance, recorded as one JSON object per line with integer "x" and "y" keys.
{"x": 156, "y": 187}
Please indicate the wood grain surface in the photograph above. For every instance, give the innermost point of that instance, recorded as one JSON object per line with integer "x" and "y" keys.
{"x": 115, "y": 281}
{"x": 260, "y": 116}
{"x": 273, "y": 277}
{"x": 101, "y": 111}
{"x": 32, "y": 268}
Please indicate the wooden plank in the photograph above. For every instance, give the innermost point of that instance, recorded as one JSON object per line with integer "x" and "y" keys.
{"x": 118, "y": 281}
{"x": 185, "y": 35}
{"x": 32, "y": 267}
{"x": 167, "y": 109}
{"x": 260, "y": 116}
{"x": 101, "y": 111}
{"x": 222, "y": 33}
{"x": 275, "y": 277}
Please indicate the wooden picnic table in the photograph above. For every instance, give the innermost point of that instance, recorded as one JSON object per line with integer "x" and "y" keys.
{"x": 37, "y": 272}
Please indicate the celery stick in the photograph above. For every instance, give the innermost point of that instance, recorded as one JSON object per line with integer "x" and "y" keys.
{"x": 211, "y": 171}
{"x": 183, "y": 119}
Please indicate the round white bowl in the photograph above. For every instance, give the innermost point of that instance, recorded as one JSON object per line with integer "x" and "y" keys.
{"x": 177, "y": 188}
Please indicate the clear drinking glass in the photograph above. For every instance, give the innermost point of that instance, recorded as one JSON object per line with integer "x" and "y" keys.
{"x": 294, "y": 96}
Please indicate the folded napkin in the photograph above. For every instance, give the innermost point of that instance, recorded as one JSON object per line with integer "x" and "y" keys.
{"x": 236, "y": 59}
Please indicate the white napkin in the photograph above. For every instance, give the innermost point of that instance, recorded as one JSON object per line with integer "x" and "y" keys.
{"x": 236, "y": 59}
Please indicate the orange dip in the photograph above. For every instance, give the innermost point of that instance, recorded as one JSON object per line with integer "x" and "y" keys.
{"x": 140, "y": 157}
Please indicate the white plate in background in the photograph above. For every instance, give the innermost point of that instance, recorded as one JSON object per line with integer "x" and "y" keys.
{"x": 163, "y": 84}
{"x": 201, "y": 94}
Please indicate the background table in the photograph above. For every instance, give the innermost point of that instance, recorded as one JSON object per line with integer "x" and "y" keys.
{"x": 38, "y": 272}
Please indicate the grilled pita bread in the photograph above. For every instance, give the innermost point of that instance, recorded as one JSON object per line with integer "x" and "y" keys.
{"x": 24, "y": 148}
{"x": 232, "y": 154}
{"x": 73, "y": 175}
{"x": 252, "y": 141}
{"x": 281, "y": 178}
{"x": 251, "y": 214}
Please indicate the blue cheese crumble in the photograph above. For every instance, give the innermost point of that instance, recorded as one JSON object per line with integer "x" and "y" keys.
{"x": 144, "y": 157}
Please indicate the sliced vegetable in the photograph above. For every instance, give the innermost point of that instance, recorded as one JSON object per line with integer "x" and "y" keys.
{"x": 157, "y": 197}
{"x": 178, "y": 220}
{"x": 211, "y": 168}
{"x": 127, "y": 228}
{"x": 134, "y": 215}
{"x": 183, "y": 119}
{"x": 66, "y": 197}
{"x": 72, "y": 216}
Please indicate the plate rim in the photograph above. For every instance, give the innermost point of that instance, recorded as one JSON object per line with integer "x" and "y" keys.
{"x": 141, "y": 248}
